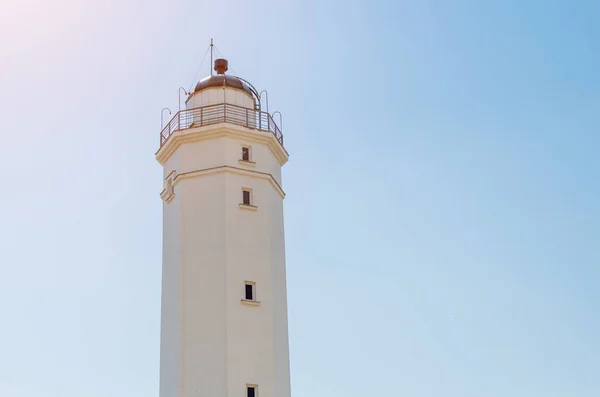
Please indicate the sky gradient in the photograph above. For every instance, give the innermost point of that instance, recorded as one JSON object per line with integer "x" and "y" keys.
{"x": 442, "y": 211}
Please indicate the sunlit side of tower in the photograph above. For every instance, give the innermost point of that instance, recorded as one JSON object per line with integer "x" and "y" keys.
{"x": 224, "y": 328}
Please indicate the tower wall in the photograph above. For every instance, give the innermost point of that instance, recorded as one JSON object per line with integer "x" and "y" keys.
{"x": 243, "y": 111}
{"x": 212, "y": 343}
{"x": 212, "y": 96}
{"x": 204, "y": 286}
{"x": 170, "y": 297}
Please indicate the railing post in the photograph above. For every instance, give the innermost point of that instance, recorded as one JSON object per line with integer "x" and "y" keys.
{"x": 201, "y": 117}
{"x": 268, "y": 122}
{"x": 179, "y": 120}
{"x": 247, "y": 124}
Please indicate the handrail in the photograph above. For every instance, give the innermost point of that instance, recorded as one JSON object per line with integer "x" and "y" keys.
{"x": 221, "y": 113}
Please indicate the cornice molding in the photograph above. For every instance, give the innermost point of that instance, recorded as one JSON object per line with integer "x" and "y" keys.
{"x": 233, "y": 170}
{"x": 196, "y": 134}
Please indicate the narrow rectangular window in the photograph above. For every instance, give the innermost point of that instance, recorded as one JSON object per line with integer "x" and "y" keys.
{"x": 249, "y": 292}
{"x": 246, "y": 153}
{"x": 246, "y": 197}
{"x": 251, "y": 391}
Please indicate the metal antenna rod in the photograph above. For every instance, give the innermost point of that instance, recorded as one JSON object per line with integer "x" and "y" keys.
{"x": 211, "y": 56}
{"x": 179, "y": 95}
{"x": 161, "y": 116}
{"x": 280, "y": 119}
{"x": 260, "y": 102}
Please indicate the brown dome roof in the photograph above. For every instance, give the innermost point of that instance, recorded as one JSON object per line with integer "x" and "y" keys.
{"x": 222, "y": 80}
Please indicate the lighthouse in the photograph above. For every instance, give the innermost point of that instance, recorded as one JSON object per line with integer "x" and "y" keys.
{"x": 224, "y": 327}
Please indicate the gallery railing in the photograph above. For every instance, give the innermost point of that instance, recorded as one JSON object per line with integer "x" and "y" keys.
{"x": 221, "y": 113}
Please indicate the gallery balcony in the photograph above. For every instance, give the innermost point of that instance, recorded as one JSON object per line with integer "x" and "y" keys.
{"x": 221, "y": 113}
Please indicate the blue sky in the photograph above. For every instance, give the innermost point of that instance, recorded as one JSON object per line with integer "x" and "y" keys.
{"x": 442, "y": 210}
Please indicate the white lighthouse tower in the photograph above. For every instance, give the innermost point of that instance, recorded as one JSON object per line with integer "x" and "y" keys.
{"x": 224, "y": 328}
